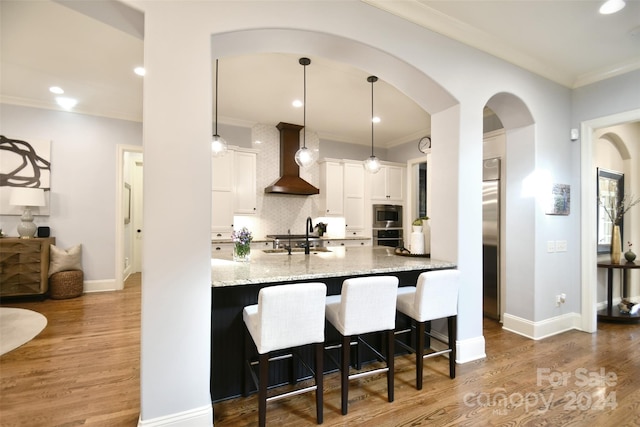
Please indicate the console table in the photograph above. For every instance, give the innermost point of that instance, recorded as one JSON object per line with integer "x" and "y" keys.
{"x": 611, "y": 313}
{"x": 24, "y": 266}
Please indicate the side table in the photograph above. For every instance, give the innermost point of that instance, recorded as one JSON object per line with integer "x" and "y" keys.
{"x": 611, "y": 313}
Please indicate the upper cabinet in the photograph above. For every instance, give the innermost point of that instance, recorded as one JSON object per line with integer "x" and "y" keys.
{"x": 331, "y": 188}
{"x": 233, "y": 189}
{"x": 354, "y": 201}
{"x": 244, "y": 176}
{"x": 388, "y": 184}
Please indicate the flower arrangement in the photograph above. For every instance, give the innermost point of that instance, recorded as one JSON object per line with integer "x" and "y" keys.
{"x": 616, "y": 213}
{"x": 242, "y": 248}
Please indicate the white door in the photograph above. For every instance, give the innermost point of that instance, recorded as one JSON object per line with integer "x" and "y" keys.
{"x": 136, "y": 214}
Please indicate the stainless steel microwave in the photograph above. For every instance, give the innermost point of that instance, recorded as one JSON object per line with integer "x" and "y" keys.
{"x": 387, "y": 216}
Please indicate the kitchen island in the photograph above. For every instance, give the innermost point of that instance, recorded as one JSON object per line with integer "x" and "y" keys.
{"x": 236, "y": 285}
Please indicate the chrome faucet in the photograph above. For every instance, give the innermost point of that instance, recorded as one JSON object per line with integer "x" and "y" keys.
{"x": 308, "y": 229}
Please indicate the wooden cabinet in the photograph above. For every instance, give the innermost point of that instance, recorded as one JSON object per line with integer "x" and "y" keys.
{"x": 24, "y": 266}
{"x": 233, "y": 189}
{"x": 388, "y": 184}
{"x": 331, "y": 189}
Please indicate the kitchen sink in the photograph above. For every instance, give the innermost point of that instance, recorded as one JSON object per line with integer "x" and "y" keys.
{"x": 295, "y": 250}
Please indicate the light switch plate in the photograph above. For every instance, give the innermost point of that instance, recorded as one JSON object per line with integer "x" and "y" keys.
{"x": 551, "y": 246}
{"x": 561, "y": 246}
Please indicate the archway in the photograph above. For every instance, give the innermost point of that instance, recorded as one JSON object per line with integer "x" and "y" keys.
{"x": 516, "y": 208}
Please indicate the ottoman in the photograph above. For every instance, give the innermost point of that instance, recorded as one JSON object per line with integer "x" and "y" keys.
{"x": 66, "y": 284}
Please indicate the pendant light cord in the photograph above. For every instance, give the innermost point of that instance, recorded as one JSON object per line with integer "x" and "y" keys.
{"x": 304, "y": 107}
{"x": 372, "y": 80}
{"x": 216, "y": 131}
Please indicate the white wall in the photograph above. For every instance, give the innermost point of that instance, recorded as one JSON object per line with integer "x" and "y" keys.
{"x": 83, "y": 176}
{"x": 404, "y": 56}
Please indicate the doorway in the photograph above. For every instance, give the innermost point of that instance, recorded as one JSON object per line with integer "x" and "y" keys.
{"x": 588, "y": 248}
{"x": 128, "y": 247}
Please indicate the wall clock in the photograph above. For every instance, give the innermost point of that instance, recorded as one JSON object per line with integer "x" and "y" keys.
{"x": 424, "y": 144}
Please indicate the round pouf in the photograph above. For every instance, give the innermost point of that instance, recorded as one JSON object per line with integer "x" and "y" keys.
{"x": 66, "y": 284}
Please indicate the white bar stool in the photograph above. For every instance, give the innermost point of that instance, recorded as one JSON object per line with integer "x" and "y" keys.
{"x": 286, "y": 316}
{"x": 366, "y": 305}
{"x": 434, "y": 297}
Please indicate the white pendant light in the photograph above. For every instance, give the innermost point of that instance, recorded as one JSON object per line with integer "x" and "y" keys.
{"x": 218, "y": 144}
{"x": 305, "y": 157}
{"x": 372, "y": 164}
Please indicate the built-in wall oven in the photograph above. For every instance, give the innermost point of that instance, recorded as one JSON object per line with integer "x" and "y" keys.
{"x": 387, "y": 226}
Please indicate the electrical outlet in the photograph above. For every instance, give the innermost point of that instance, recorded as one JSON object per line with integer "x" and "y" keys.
{"x": 561, "y": 246}
{"x": 551, "y": 246}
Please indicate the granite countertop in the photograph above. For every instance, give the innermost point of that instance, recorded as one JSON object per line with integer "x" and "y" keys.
{"x": 340, "y": 261}
{"x": 323, "y": 238}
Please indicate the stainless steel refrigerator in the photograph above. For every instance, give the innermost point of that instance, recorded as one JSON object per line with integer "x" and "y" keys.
{"x": 491, "y": 238}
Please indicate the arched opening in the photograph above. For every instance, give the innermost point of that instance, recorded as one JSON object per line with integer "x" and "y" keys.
{"x": 508, "y": 124}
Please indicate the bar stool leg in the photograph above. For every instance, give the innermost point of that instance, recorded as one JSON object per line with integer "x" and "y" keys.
{"x": 452, "y": 345}
{"x": 391, "y": 337}
{"x": 262, "y": 389}
{"x": 346, "y": 350}
{"x": 319, "y": 381}
{"x": 420, "y": 327}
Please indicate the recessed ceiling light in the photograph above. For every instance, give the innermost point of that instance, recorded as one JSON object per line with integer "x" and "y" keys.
{"x": 376, "y": 119}
{"x": 297, "y": 103}
{"x": 258, "y": 141}
{"x": 611, "y": 6}
{"x": 57, "y": 90}
{"x": 139, "y": 71}
{"x": 66, "y": 103}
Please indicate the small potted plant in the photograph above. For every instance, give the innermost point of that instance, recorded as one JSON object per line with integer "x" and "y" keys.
{"x": 417, "y": 223}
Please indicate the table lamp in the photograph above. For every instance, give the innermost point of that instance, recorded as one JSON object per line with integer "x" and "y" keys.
{"x": 27, "y": 197}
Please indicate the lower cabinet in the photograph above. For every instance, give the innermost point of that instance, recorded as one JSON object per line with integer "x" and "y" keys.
{"x": 24, "y": 266}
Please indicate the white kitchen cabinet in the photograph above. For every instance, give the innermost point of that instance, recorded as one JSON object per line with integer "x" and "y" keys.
{"x": 244, "y": 173}
{"x": 346, "y": 242}
{"x": 388, "y": 184}
{"x": 354, "y": 202}
{"x": 222, "y": 196}
{"x": 331, "y": 189}
{"x": 233, "y": 189}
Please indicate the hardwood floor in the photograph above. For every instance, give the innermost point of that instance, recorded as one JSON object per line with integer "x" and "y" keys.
{"x": 83, "y": 369}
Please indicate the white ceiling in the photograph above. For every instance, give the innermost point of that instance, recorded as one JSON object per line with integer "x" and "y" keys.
{"x": 566, "y": 41}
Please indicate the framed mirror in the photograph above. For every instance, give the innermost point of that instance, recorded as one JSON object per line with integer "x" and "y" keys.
{"x": 610, "y": 192}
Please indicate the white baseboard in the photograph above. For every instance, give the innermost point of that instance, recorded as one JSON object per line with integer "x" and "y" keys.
{"x": 466, "y": 350}
{"x": 470, "y": 349}
{"x": 197, "y": 417}
{"x": 543, "y": 329}
{"x": 99, "y": 285}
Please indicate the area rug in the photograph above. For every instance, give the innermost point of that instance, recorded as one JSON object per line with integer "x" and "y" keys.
{"x": 18, "y": 326}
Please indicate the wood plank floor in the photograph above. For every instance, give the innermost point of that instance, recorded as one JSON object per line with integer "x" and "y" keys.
{"x": 83, "y": 369}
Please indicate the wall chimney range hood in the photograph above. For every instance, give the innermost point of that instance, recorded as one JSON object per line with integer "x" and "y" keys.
{"x": 290, "y": 181}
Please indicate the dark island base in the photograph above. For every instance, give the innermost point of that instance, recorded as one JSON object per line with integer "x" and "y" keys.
{"x": 227, "y": 335}
{"x": 614, "y": 316}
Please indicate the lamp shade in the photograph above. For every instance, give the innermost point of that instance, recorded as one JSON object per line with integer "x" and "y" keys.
{"x": 23, "y": 196}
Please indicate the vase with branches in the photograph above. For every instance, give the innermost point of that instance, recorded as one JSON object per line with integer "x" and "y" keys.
{"x": 615, "y": 212}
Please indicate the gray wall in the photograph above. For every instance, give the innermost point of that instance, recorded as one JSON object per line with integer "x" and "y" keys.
{"x": 83, "y": 177}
